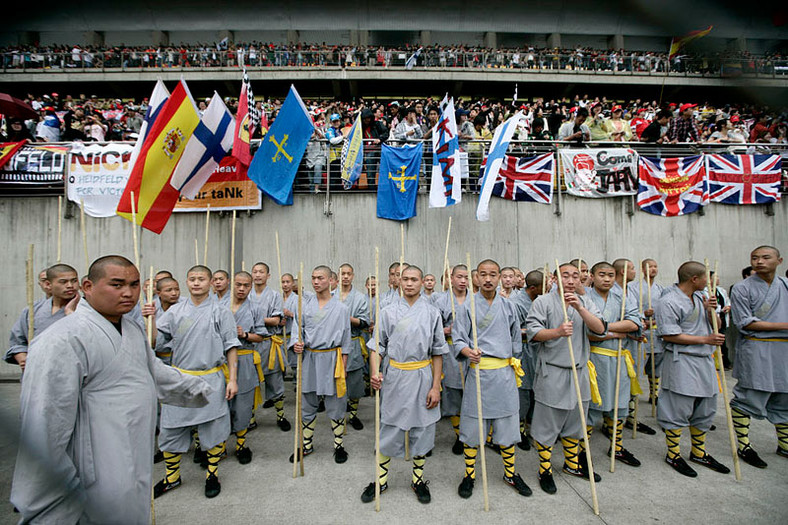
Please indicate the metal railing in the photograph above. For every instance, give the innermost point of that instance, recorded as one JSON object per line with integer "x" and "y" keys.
{"x": 635, "y": 64}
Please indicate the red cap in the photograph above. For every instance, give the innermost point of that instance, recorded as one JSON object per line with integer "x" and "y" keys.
{"x": 641, "y": 110}
{"x": 672, "y": 105}
{"x": 616, "y": 108}
{"x": 735, "y": 118}
{"x": 685, "y": 107}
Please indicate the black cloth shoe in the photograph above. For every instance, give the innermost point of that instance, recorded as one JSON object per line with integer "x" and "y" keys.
{"x": 580, "y": 473}
{"x": 582, "y": 460}
{"x": 307, "y": 451}
{"x": 492, "y": 446}
{"x": 356, "y": 423}
{"x": 268, "y": 403}
{"x": 519, "y": 485}
{"x": 369, "y": 493}
{"x": 458, "y": 448}
{"x": 626, "y": 457}
{"x": 321, "y": 406}
{"x": 680, "y": 466}
{"x": 713, "y": 464}
{"x": 525, "y": 443}
{"x": 606, "y": 432}
{"x": 158, "y": 457}
{"x": 200, "y": 456}
{"x": 547, "y": 482}
{"x": 782, "y": 452}
{"x": 749, "y": 456}
{"x": 283, "y": 424}
{"x": 340, "y": 455}
{"x": 252, "y": 426}
{"x": 162, "y": 486}
{"x": 244, "y": 455}
{"x": 212, "y": 486}
{"x": 429, "y": 454}
{"x": 642, "y": 428}
{"x": 465, "y": 490}
{"x": 422, "y": 491}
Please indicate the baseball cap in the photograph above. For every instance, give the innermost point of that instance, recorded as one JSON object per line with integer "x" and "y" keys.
{"x": 685, "y": 107}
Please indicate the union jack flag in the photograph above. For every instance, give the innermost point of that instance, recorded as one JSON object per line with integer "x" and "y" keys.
{"x": 671, "y": 187}
{"x": 744, "y": 179}
{"x": 526, "y": 179}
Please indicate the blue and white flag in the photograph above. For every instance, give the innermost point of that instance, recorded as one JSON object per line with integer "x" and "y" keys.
{"x": 412, "y": 60}
{"x": 352, "y": 159}
{"x": 159, "y": 96}
{"x": 210, "y": 143}
{"x": 498, "y": 147}
{"x": 398, "y": 181}
{"x": 274, "y": 166}
{"x": 446, "y": 182}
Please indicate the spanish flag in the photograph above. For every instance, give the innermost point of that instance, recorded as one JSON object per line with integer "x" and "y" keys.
{"x": 8, "y": 150}
{"x": 160, "y": 153}
{"x": 677, "y": 43}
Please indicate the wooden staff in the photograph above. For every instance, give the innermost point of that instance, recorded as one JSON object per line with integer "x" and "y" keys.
{"x": 298, "y": 438}
{"x": 479, "y": 395}
{"x": 149, "y": 320}
{"x": 84, "y": 234}
{"x": 196, "y": 252}
{"x": 243, "y": 266}
{"x": 134, "y": 232}
{"x": 576, "y": 381}
{"x": 29, "y": 272}
{"x": 544, "y": 278}
{"x": 640, "y": 352}
{"x": 207, "y": 229}
{"x": 59, "y": 227}
{"x": 446, "y": 251}
{"x": 653, "y": 394}
{"x": 375, "y": 368}
{"x": 232, "y": 255}
{"x": 614, "y": 433}
{"x": 718, "y": 356}
{"x": 401, "y": 268}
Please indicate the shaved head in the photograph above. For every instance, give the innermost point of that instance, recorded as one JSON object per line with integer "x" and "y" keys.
{"x": 98, "y": 268}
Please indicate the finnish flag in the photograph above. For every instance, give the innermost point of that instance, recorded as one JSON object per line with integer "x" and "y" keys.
{"x": 210, "y": 143}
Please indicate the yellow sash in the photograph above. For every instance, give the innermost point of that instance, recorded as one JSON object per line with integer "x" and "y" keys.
{"x": 163, "y": 354}
{"x": 596, "y": 397}
{"x": 449, "y": 340}
{"x": 493, "y": 363}
{"x": 339, "y": 369}
{"x": 363, "y": 343}
{"x": 276, "y": 352}
{"x": 767, "y": 339}
{"x": 257, "y": 360}
{"x": 410, "y": 365}
{"x": 223, "y": 367}
{"x": 634, "y": 386}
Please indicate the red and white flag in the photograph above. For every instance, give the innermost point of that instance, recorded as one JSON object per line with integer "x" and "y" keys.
{"x": 247, "y": 119}
{"x": 671, "y": 187}
{"x": 744, "y": 179}
{"x": 526, "y": 179}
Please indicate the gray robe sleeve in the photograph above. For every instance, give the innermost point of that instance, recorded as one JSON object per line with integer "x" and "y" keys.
{"x": 461, "y": 334}
{"x": 17, "y": 342}
{"x": 173, "y": 387}
{"x": 740, "y": 306}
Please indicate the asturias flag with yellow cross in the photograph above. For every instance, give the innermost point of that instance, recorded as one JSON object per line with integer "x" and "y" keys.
{"x": 150, "y": 176}
{"x": 398, "y": 181}
{"x": 276, "y": 161}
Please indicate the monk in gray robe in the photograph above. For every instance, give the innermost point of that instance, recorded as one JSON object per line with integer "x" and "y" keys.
{"x": 454, "y": 371}
{"x": 325, "y": 350}
{"x": 220, "y": 287}
{"x": 359, "y": 319}
{"x": 411, "y": 336}
{"x": 288, "y": 321}
{"x": 498, "y": 341}
{"x": 88, "y": 409}
{"x": 202, "y": 336}
{"x": 759, "y": 305}
{"x": 650, "y": 266}
{"x": 688, "y": 396}
{"x": 62, "y": 282}
{"x": 555, "y": 409}
{"x": 607, "y": 297}
{"x": 393, "y": 292}
{"x": 250, "y": 326}
{"x": 272, "y": 349}
{"x": 523, "y": 300}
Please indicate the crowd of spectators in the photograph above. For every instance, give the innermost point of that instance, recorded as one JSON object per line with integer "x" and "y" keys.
{"x": 578, "y": 120}
{"x": 262, "y": 54}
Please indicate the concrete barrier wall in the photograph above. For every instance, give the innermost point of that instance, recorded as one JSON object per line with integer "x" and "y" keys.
{"x": 526, "y": 235}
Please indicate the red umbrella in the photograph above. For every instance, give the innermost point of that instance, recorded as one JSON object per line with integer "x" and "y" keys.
{"x": 13, "y": 107}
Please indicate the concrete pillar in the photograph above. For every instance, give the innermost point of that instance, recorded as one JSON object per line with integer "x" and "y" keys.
{"x": 615, "y": 42}
{"x": 29, "y": 38}
{"x": 425, "y": 38}
{"x": 160, "y": 38}
{"x": 93, "y": 38}
{"x": 490, "y": 39}
{"x": 292, "y": 36}
{"x": 229, "y": 35}
{"x": 554, "y": 40}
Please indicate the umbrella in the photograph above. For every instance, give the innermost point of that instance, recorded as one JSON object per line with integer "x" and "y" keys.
{"x": 13, "y": 107}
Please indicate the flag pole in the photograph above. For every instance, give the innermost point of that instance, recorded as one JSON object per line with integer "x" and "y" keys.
{"x": 207, "y": 228}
